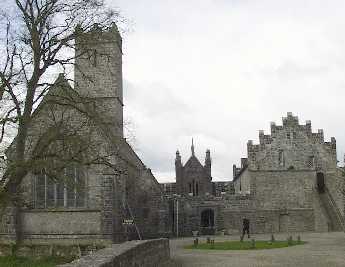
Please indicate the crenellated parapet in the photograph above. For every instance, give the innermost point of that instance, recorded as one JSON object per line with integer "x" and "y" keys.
{"x": 291, "y": 145}
{"x": 98, "y": 35}
{"x": 291, "y": 127}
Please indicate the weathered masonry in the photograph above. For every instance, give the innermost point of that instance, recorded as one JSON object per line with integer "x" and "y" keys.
{"x": 289, "y": 182}
{"x": 293, "y": 174}
{"x": 89, "y": 205}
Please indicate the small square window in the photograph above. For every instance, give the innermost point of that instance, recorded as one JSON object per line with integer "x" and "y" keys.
{"x": 311, "y": 162}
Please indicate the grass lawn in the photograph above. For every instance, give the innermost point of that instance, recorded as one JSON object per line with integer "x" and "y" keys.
{"x": 12, "y": 261}
{"x": 245, "y": 245}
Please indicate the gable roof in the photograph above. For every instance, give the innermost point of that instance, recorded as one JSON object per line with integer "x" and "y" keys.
{"x": 238, "y": 175}
{"x": 193, "y": 162}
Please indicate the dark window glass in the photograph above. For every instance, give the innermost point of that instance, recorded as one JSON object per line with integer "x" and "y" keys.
{"x": 60, "y": 194}
{"x": 68, "y": 193}
{"x": 80, "y": 196}
{"x": 281, "y": 158}
{"x": 50, "y": 193}
{"x": 40, "y": 190}
{"x": 70, "y": 186}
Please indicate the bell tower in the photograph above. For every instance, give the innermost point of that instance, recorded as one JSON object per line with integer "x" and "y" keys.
{"x": 98, "y": 73}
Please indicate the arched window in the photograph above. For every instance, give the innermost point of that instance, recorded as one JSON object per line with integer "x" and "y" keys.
{"x": 68, "y": 191}
{"x": 281, "y": 158}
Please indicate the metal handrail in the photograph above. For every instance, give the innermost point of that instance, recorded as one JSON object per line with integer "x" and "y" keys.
{"x": 335, "y": 208}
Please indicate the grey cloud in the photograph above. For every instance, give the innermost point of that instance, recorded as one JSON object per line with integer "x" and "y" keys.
{"x": 219, "y": 71}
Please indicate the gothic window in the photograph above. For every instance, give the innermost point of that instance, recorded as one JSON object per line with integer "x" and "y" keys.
{"x": 281, "y": 158}
{"x": 70, "y": 186}
{"x": 196, "y": 189}
{"x": 50, "y": 193}
{"x": 288, "y": 135}
{"x": 60, "y": 194}
{"x": 71, "y": 193}
{"x": 94, "y": 58}
{"x": 40, "y": 189}
{"x": 294, "y": 135}
{"x": 193, "y": 188}
{"x": 190, "y": 188}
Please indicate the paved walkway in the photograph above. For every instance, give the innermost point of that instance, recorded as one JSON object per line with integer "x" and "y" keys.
{"x": 322, "y": 250}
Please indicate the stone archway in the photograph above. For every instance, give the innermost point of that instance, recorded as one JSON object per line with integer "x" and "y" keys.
{"x": 207, "y": 222}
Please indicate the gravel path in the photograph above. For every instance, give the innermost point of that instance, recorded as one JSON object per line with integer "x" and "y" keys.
{"x": 322, "y": 250}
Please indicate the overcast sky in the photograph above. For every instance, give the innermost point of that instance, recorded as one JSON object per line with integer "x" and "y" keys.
{"x": 221, "y": 70}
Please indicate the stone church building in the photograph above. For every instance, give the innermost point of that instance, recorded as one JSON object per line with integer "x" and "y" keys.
{"x": 113, "y": 196}
{"x": 104, "y": 194}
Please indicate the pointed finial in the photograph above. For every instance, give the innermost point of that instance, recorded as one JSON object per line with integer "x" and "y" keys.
{"x": 193, "y": 152}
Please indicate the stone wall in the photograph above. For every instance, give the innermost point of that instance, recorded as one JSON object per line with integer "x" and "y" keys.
{"x": 222, "y": 188}
{"x": 292, "y": 146}
{"x": 43, "y": 226}
{"x": 268, "y": 221}
{"x": 283, "y": 189}
{"x": 242, "y": 183}
{"x": 291, "y": 190}
{"x": 148, "y": 253}
{"x": 8, "y": 222}
{"x": 335, "y": 183}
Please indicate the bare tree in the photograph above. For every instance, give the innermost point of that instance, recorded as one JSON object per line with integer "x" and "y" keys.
{"x": 37, "y": 39}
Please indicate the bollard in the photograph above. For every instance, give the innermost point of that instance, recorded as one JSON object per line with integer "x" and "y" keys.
{"x": 299, "y": 239}
{"x": 252, "y": 245}
{"x": 272, "y": 238}
{"x": 289, "y": 240}
{"x": 212, "y": 243}
{"x": 196, "y": 242}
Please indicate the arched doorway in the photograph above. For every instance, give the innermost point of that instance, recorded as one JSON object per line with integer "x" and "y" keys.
{"x": 207, "y": 222}
{"x": 320, "y": 181}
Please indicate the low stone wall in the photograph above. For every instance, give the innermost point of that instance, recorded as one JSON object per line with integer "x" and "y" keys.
{"x": 147, "y": 253}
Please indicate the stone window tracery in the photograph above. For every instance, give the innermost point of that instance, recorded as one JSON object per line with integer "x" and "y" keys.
{"x": 69, "y": 192}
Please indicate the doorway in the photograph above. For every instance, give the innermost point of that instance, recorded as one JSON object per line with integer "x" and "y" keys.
{"x": 320, "y": 181}
{"x": 207, "y": 222}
